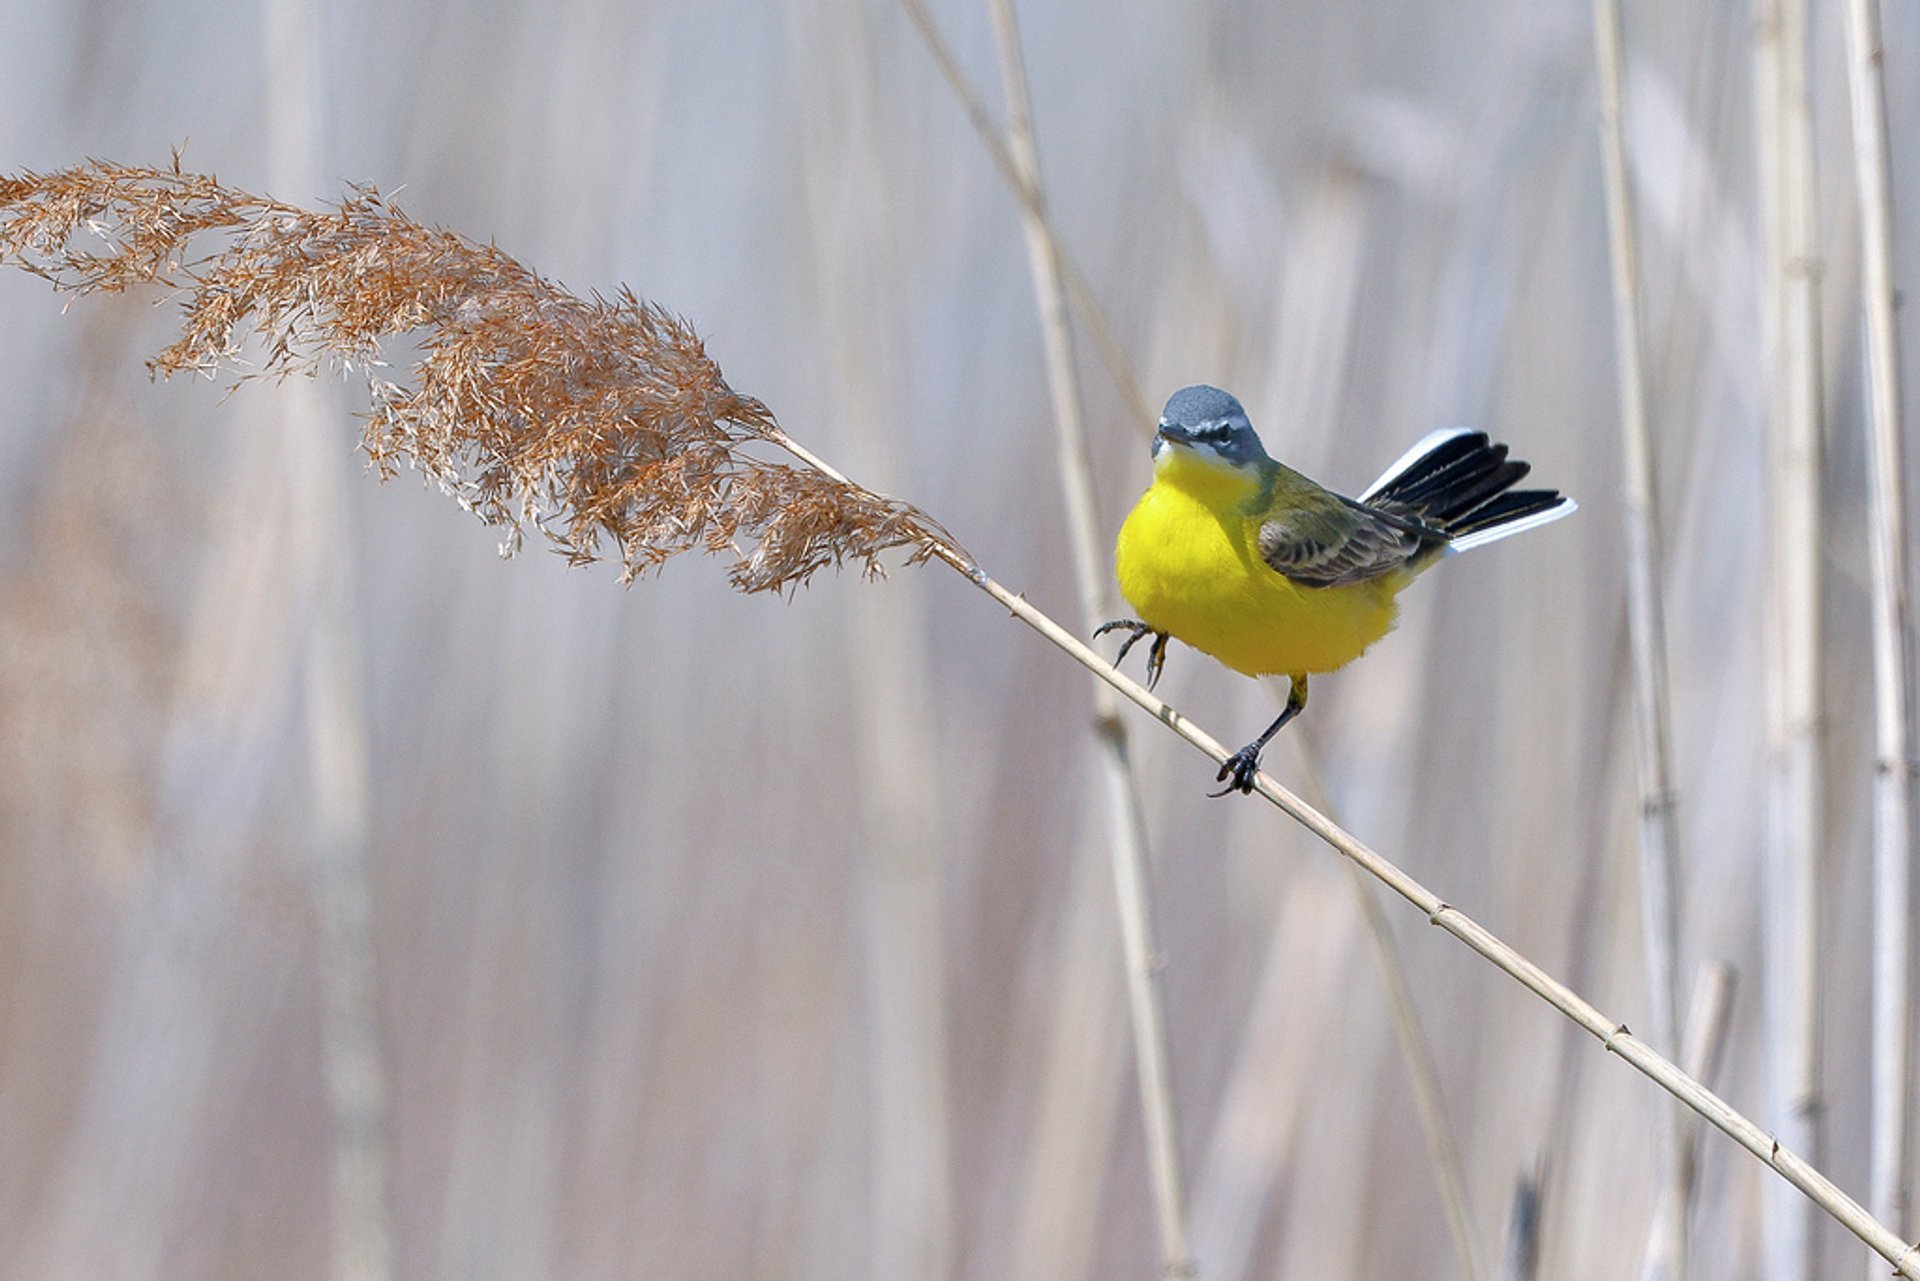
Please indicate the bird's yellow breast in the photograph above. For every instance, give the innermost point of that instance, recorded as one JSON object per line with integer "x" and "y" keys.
{"x": 1188, "y": 563}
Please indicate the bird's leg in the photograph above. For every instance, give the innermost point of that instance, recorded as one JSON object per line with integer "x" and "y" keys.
{"x": 1240, "y": 768}
{"x": 1156, "y": 657}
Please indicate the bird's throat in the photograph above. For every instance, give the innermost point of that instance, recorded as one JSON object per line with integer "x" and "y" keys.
{"x": 1205, "y": 475}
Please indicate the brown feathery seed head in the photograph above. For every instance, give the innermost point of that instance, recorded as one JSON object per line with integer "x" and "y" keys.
{"x": 594, "y": 420}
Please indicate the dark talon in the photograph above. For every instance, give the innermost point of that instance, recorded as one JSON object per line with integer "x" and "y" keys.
{"x": 1156, "y": 657}
{"x": 1241, "y": 766}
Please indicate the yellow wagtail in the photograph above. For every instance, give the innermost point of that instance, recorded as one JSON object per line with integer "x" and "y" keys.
{"x": 1249, "y": 561}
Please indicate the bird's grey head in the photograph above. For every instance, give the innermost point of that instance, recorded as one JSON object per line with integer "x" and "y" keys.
{"x": 1210, "y": 422}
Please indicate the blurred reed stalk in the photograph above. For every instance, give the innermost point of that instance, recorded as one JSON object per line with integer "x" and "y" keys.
{"x": 1126, "y": 815}
{"x": 1078, "y": 1094}
{"x": 912, "y": 1227}
{"x": 1079, "y": 293}
{"x": 1647, "y": 629}
{"x": 1443, "y": 1151}
{"x": 1708, "y": 1015}
{"x": 1791, "y": 871}
{"x": 1704, "y": 1048}
{"x": 338, "y": 756}
{"x": 1892, "y": 1035}
{"x": 600, "y": 421}
{"x": 1268, "y": 1099}
{"x": 1416, "y": 1051}
{"x": 1521, "y": 1259}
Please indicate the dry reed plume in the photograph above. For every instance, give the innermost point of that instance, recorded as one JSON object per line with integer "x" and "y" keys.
{"x": 595, "y": 420}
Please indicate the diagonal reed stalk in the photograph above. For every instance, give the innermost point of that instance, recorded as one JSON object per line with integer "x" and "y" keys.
{"x": 1126, "y": 814}
{"x": 1892, "y": 1036}
{"x": 1646, "y": 625}
{"x": 603, "y": 421}
{"x": 1791, "y": 868}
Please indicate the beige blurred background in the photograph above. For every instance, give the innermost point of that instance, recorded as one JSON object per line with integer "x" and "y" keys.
{"x": 720, "y": 937}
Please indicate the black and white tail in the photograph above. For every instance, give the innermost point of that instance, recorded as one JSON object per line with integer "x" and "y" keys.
{"x": 1462, "y": 484}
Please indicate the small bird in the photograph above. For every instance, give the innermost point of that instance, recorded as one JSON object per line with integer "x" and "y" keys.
{"x": 1247, "y": 560}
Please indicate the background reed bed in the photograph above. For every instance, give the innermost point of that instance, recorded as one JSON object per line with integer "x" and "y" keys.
{"x": 631, "y": 996}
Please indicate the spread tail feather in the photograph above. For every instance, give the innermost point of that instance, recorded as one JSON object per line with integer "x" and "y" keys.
{"x": 1461, "y": 483}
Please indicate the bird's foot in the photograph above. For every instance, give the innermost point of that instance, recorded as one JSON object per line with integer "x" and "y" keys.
{"x": 1134, "y": 628}
{"x": 1238, "y": 771}
{"x": 1156, "y": 656}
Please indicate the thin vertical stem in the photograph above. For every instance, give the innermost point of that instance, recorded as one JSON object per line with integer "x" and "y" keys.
{"x": 910, "y": 1176}
{"x": 1126, "y": 818}
{"x": 1704, "y": 1044}
{"x": 335, "y": 713}
{"x": 1416, "y": 1050}
{"x": 1892, "y": 1035}
{"x": 1079, "y": 293}
{"x": 1646, "y": 625}
{"x": 1077, "y": 1085}
{"x": 1706, "y": 1036}
{"x": 1791, "y": 870}
{"x": 1442, "y": 1151}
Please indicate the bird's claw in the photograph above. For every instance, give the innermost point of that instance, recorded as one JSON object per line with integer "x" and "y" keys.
{"x": 1133, "y": 626}
{"x": 1157, "y": 659}
{"x": 1238, "y": 771}
{"x": 1137, "y": 630}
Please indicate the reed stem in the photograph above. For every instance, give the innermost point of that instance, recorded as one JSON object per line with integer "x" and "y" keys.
{"x": 1079, "y": 292}
{"x": 1791, "y": 871}
{"x": 1646, "y": 625}
{"x": 1892, "y": 1034}
{"x": 1126, "y": 816}
{"x": 338, "y": 753}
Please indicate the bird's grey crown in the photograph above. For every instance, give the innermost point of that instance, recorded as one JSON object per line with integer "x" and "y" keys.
{"x": 1200, "y": 406}
{"x": 1202, "y": 415}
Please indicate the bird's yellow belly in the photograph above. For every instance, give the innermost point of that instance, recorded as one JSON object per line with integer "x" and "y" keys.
{"x": 1193, "y": 573}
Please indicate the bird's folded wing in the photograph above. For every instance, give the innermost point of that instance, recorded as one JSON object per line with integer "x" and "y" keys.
{"x": 1327, "y": 545}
